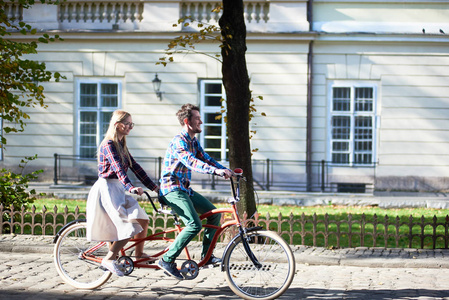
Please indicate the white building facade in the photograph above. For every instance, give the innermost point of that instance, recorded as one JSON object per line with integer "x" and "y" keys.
{"x": 355, "y": 92}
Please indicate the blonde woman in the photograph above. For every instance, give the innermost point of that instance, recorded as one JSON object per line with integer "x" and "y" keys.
{"x": 112, "y": 215}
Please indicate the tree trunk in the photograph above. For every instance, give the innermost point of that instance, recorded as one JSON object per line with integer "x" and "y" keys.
{"x": 238, "y": 97}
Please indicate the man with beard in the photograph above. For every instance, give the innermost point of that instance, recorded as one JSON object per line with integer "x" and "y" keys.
{"x": 184, "y": 155}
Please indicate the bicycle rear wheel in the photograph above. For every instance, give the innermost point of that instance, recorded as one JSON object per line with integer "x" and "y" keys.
{"x": 72, "y": 265}
{"x": 269, "y": 281}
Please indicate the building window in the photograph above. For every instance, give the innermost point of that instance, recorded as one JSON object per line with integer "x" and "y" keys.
{"x": 213, "y": 138}
{"x": 97, "y": 100}
{"x": 353, "y": 128}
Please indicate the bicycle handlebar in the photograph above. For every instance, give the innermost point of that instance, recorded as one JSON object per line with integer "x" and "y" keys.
{"x": 159, "y": 210}
{"x": 236, "y": 173}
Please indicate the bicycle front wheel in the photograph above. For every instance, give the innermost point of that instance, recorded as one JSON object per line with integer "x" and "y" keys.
{"x": 268, "y": 281}
{"x": 71, "y": 262}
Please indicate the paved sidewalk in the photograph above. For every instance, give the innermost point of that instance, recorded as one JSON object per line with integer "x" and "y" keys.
{"x": 358, "y": 257}
{"x": 34, "y": 276}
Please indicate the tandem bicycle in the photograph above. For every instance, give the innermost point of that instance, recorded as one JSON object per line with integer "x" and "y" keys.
{"x": 257, "y": 263}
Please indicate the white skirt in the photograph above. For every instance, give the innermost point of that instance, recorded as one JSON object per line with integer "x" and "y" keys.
{"x": 111, "y": 214}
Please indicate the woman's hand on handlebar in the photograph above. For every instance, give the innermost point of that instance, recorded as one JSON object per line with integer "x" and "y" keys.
{"x": 226, "y": 173}
{"x": 137, "y": 190}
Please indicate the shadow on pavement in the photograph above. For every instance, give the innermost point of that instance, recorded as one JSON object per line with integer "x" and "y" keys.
{"x": 220, "y": 293}
{"x": 298, "y": 293}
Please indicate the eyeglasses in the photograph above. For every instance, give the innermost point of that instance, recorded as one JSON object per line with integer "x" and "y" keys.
{"x": 129, "y": 124}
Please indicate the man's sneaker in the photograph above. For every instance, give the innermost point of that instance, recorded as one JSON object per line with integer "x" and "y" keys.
{"x": 170, "y": 269}
{"x": 112, "y": 267}
{"x": 213, "y": 260}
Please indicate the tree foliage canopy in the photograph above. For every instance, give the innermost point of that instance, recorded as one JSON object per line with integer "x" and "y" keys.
{"x": 20, "y": 77}
{"x": 19, "y": 89}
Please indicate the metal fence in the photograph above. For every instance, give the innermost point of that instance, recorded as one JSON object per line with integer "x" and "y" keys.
{"x": 288, "y": 175}
{"x": 310, "y": 230}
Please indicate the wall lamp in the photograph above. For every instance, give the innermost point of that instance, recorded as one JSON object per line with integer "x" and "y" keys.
{"x": 157, "y": 87}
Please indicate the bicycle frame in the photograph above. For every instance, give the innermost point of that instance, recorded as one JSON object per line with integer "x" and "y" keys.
{"x": 141, "y": 263}
{"x": 161, "y": 236}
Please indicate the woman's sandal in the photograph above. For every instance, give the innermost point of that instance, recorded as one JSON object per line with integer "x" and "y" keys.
{"x": 112, "y": 267}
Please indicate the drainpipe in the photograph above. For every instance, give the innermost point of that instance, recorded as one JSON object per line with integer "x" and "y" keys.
{"x": 309, "y": 101}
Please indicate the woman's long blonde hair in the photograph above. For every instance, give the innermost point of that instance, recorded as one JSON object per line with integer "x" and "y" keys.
{"x": 118, "y": 116}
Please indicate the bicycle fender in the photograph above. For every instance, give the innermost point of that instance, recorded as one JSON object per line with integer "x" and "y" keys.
{"x": 257, "y": 228}
{"x": 64, "y": 227}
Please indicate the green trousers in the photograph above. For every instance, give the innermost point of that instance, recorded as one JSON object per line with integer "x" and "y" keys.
{"x": 187, "y": 208}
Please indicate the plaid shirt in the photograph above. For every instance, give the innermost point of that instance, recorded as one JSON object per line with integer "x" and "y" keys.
{"x": 111, "y": 167}
{"x": 183, "y": 156}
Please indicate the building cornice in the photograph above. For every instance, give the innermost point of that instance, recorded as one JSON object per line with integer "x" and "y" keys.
{"x": 144, "y": 35}
{"x": 387, "y": 37}
{"x": 286, "y": 36}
